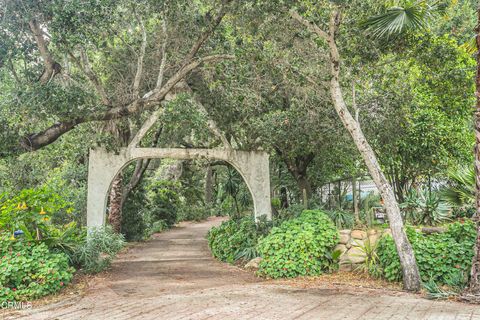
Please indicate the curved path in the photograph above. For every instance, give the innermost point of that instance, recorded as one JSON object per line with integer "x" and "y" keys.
{"x": 174, "y": 277}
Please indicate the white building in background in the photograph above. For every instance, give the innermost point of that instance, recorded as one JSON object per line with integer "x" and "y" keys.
{"x": 364, "y": 186}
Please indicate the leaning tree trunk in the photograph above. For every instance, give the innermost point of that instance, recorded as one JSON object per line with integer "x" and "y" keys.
{"x": 411, "y": 275}
{"x": 475, "y": 272}
{"x": 115, "y": 198}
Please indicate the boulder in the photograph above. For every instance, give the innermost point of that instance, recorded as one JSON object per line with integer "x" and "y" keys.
{"x": 345, "y": 267}
{"x": 359, "y": 234}
{"x": 374, "y": 238}
{"x": 357, "y": 243}
{"x": 371, "y": 232}
{"x": 345, "y": 231}
{"x": 344, "y": 238}
{"x": 340, "y": 247}
{"x": 253, "y": 264}
{"x": 355, "y": 255}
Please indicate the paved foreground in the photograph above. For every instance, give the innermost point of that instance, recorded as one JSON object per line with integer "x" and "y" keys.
{"x": 174, "y": 277}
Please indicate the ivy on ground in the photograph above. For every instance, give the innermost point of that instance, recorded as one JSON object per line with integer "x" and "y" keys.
{"x": 440, "y": 257}
{"x": 29, "y": 270}
{"x": 299, "y": 247}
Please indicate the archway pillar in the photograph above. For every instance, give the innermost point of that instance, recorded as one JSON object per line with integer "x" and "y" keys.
{"x": 103, "y": 166}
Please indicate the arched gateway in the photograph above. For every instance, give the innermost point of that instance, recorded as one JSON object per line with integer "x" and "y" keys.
{"x": 104, "y": 166}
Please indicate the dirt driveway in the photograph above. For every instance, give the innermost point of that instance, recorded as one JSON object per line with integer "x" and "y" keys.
{"x": 174, "y": 277}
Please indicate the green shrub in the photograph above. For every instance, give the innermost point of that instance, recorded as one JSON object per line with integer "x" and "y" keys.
{"x": 158, "y": 226}
{"x": 194, "y": 213}
{"x": 293, "y": 211}
{"x": 299, "y": 247}
{"x": 135, "y": 216}
{"x": 454, "y": 286}
{"x": 425, "y": 207}
{"x": 66, "y": 239}
{"x": 235, "y": 239}
{"x": 29, "y": 270}
{"x": 163, "y": 201}
{"x": 150, "y": 202}
{"x": 342, "y": 219}
{"x": 369, "y": 251}
{"x": 101, "y": 246}
{"x": 31, "y": 210}
{"x": 440, "y": 256}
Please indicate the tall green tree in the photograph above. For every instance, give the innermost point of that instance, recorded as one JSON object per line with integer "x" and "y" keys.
{"x": 411, "y": 276}
{"x": 414, "y": 15}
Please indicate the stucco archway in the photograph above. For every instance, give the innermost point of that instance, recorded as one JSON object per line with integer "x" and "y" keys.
{"x": 103, "y": 166}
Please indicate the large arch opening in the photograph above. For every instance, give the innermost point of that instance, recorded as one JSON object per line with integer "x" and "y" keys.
{"x": 104, "y": 166}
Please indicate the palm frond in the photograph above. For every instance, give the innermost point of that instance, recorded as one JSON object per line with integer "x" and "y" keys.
{"x": 461, "y": 191}
{"x": 470, "y": 46}
{"x": 399, "y": 19}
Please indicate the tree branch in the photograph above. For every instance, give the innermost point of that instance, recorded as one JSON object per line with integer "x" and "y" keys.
{"x": 51, "y": 67}
{"x": 145, "y": 127}
{"x": 164, "y": 53}
{"x": 150, "y": 100}
{"x": 138, "y": 74}
{"x": 37, "y": 140}
{"x": 207, "y": 33}
{"x": 140, "y": 168}
{"x": 86, "y": 67}
{"x": 310, "y": 26}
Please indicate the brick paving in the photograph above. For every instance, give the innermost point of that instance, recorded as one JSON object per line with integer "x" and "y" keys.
{"x": 174, "y": 277}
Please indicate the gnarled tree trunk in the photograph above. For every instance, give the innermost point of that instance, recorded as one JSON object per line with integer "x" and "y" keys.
{"x": 115, "y": 199}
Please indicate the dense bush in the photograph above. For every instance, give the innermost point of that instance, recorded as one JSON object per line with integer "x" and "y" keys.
{"x": 156, "y": 201}
{"x": 236, "y": 239}
{"x": 293, "y": 211}
{"x": 135, "y": 216}
{"x": 299, "y": 247}
{"x": 31, "y": 211}
{"x": 101, "y": 246}
{"x": 29, "y": 270}
{"x": 163, "y": 201}
{"x": 157, "y": 226}
{"x": 194, "y": 213}
{"x": 440, "y": 256}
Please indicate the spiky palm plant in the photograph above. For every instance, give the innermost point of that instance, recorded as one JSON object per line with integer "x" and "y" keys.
{"x": 461, "y": 190}
{"x": 425, "y": 207}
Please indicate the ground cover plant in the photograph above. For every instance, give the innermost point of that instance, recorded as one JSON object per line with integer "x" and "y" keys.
{"x": 39, "y": 257}
{"x": 441, "y": 257}
{"x": 302, "y": 246}
{"x": 29, "y": 270}
{"x": 236, "y": 239}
